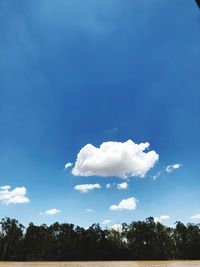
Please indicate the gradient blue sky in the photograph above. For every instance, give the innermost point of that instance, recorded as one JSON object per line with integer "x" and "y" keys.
{"x": 74, "y": 72}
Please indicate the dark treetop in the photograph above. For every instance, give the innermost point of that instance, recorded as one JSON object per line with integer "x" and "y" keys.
{"x": 140, "y": 240}
{"x": 198, "y": 3}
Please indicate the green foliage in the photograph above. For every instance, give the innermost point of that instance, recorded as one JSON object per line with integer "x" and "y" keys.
{"x": 140, "y": 240}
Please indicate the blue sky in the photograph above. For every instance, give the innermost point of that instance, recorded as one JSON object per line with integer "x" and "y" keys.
{"x": 79, "y": 72}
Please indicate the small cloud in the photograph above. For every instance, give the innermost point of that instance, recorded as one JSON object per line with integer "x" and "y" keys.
{"x": 164, "y": 217}
{"x": 105, "y": 222}
{"x": 161, "y": 218}
{"x": 156, "y": 219}
{"x": 15, "y": 196}
{"x": 85, "y": 188}
{"x": 117, "y": 227}
{"x": 68, "y": 165}
{"x": 195, "y": 217}
{"x": 5, "y": 187}
{"x": 89, "y": 210}
{"x": 122, "y": 186}
{"x": 108, "y": 186}
{"x": 158, "y": 174}
{"x": 115, "y": 159}
{"x": 168, "y": 169}
{"x": 52, "y": 211}
{"x": 171, "y": 168}
{"x": 125, "y": 204}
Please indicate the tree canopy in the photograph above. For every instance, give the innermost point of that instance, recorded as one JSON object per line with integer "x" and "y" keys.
{"x": 198, "y": 3}
{"x": 140, "y": 240}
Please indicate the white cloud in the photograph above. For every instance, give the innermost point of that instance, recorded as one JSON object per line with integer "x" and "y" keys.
{"x": 195, "y": 217}
{"x": 115, "y": 159}
{"x": 106, "y": 222}
{"x": 125, "y": 204}
{"x": 158, "y": 174}
{"x": 171, "y": 168}
{"x": 89, "y": 210}
{"x": 156, "y": 219}
{"x": 108, "y": 186}
{"x": 68, "y": 165}
{"x": 52, "y": 211}
{"x": 85, "y": 188}
{"x": 161, "y": 218}
{"x": 164, "y": 217}
{"x": 17, "y": 195}
{"x": 117, "y": 227}
{"x": 122, "y": 186}
{"x": 5, "y": 187}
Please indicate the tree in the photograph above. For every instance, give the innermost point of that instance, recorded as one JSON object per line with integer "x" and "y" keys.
{"x": 37, "y": 242}
{"x": 10, "y": 236}
{"x": 193, "y": 241}
{"x": 142, "y": 240}
{"x": 181, "y": 240}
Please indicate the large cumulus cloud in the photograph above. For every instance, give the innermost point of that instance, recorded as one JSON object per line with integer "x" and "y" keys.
{"x": 115, "y": 159}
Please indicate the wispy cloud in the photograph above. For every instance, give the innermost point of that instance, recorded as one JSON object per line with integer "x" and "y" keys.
{"x": 89, "y": 210}
{"x": 168, "y": 169}
{"x": 115, "y": 159}
{"x": 157, "y": 175}
{"x": 68, "y": 165}
{"x": 171, "y": 168}
{"x": 195, "y": 217}
{"x": 15, "y": 196}
{"x": 85, "y": 188}
{"x": 125, "y": 204}
{"x": 107, "y": 221}
{"x": 108, "y": 186}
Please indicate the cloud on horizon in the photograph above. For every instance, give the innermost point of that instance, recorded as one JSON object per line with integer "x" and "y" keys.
{"x": 161, "y": 218}
{"x": 195, "y": 217}
{"x": 117, "y": 227}
{"x": 89, "y": 210}
{"x": 115, "y": 159}
{"x": 106, "y": 221}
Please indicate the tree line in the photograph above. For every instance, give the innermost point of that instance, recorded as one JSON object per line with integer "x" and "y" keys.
{"x": 139, "y": 240}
